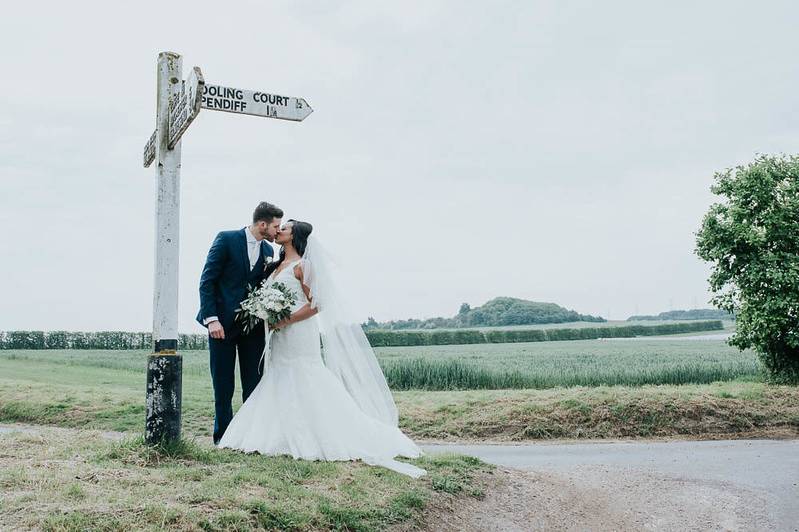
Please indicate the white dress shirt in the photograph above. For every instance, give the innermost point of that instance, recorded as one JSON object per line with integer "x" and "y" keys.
{"x": 253, "y": 247}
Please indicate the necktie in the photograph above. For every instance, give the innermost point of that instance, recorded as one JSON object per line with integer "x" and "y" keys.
{"x": 254, "y": 247}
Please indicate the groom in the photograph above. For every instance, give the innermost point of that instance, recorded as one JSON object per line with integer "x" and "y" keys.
{"x": 236, "y": 260}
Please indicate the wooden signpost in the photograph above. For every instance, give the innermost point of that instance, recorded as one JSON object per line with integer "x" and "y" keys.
{"x": 178, "y": 104}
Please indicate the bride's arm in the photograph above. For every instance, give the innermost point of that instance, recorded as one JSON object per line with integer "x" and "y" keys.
{"x": 304, "y": 312}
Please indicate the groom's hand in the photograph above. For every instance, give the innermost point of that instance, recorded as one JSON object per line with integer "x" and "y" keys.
{"x": 216, "y": 330}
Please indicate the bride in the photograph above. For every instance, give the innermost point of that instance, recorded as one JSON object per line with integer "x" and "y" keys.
{"x": 328, "y": 402}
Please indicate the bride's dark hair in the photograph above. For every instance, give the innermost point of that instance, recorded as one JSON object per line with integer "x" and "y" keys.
{"x": 300, "y": 231}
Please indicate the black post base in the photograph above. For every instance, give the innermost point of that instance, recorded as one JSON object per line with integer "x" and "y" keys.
{"x": 164, "y": 397}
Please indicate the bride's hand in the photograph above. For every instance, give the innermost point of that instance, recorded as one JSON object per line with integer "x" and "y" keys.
{"x": 280, "y": 325}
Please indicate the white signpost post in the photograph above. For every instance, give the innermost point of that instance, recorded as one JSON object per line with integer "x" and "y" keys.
{"x": 178, "y": 104}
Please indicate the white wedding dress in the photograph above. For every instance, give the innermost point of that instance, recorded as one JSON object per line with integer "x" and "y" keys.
{"x": 302, "y": 409}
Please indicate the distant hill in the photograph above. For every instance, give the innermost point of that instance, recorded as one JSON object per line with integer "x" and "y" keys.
{"x": 497, "y": 312}
{"x": 695, "y": 314}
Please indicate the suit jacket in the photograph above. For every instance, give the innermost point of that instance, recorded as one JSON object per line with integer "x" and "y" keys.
{"x": 227, "y": 276}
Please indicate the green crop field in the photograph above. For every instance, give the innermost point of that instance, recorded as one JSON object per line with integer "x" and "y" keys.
{"x": 105, "y": 390}
{"x": 689, "y": 358}
{"x": 633, "y": 362}
{"x": 577, "y": 363}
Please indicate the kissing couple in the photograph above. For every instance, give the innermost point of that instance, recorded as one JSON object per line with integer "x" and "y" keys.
{"x": 310, "y": 399}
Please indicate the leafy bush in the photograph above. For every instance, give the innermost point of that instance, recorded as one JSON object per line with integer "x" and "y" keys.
{"x": 751, "y": 240}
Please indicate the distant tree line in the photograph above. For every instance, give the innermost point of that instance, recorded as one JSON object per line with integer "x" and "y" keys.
{"x": 117, "y": 340}
{"x": 694, "y": 314}
{"x": 379, "y": 338}
{"x": 499, "y": 312}
{"x": 92, "y": 340}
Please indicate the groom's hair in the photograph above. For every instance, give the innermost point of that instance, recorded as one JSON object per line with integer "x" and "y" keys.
{"x": 266, "y": 212}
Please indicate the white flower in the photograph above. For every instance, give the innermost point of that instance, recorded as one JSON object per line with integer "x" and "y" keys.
{"x": 270, "y": 302}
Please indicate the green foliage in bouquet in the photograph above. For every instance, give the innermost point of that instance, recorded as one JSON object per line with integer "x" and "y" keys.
{"x": 270, "y": 302}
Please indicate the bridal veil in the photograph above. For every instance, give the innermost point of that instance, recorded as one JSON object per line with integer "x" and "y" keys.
{"x": 345, "y": 348}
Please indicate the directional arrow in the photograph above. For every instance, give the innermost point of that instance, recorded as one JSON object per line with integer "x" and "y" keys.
{"x": 149, "y": 151}
{"x": 183, "y": 109}
{"x": 186, "y": 107}
{"x": 256, "y": 103}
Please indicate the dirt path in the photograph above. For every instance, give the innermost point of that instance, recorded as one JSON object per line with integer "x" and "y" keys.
{"x": 602, "y": 500}
{"x": 711, "y": 485}
{"x": 6, "y": 428}
{"x": 598, "y": 499}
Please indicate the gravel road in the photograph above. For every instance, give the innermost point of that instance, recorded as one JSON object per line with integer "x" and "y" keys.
{"x": 675, "y": 485}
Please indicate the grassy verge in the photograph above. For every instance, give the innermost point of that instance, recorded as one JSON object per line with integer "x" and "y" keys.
{"x": 719, "y": 409}
{"x": 77, "y": 480}
{"x": 82, "y": 395}
{"x": 55, "y": 392}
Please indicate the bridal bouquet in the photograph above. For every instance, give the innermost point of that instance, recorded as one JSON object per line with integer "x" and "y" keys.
{"x": 270, "y": 302}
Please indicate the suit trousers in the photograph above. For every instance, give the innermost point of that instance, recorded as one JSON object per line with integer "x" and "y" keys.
{"x": 250, "y": 347}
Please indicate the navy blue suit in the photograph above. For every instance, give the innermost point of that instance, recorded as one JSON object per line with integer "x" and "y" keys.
{"x": 223, "y": 285}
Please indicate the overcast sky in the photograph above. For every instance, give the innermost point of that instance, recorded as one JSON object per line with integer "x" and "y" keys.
{"x": 458, "y": 151}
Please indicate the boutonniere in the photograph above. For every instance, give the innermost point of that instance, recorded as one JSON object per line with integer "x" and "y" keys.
{"x": 267, "y": 262}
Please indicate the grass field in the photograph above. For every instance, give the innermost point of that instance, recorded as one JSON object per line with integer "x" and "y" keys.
{"x": 77, "y": 480}
{"x": 105, "y": 390}
{"x": 540, "y": 365}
